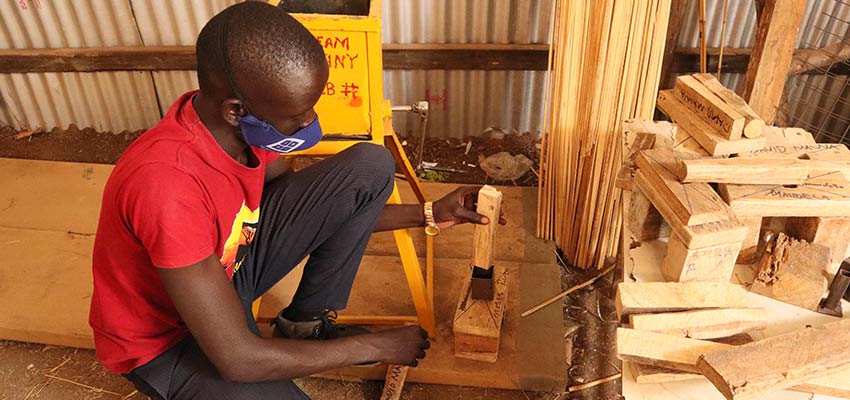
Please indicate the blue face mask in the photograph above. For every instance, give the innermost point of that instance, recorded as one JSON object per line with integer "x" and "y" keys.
{"x": 259, "y": 133}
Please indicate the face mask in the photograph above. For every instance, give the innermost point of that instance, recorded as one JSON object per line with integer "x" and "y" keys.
{"x": 259, "y": 133}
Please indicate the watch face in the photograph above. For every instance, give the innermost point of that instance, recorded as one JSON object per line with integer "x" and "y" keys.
{"x": 431, "y": 230}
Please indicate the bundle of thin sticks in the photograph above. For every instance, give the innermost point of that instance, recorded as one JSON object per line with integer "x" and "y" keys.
{"x": 604, "y": 68}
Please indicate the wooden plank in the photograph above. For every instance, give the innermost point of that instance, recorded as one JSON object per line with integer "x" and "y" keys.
{"x": 644, "y": 373}
{"x": 394, "y": 382}
{"x": 691, "y": 203}
{"x": 705, "y": 264}
{"x": 793, "y": 271}
{"x": 644, "y": 220}
{"x": 151, "y": 58}
{"x": 654, "y": 297}
{"x": 714, "y": 143}
{"x": 674, "y": 28}
{"x": 749, "y": 247}
{"x": 665, "y": 351}
{"x": 484, "y": 236}
{"x": 830, "y": 232}
{"x": 753, "y": 124}
{"x": 776, "y": 37}
{"x": 477, "y": 323}
{"x": 714, "y": 111}
{"x": 746, "y": 171}
{"x": 824, "y": 195}
{"x": 702, "y": 324}
{"x": 696, "y": 236}
{"x": 782, "y": 361}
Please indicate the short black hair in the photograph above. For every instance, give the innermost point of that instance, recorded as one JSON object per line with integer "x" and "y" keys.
{"x": 256, "y": 39}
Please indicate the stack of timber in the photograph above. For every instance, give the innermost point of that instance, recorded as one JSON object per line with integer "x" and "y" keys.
{"x": 606, "y": 64}
{"x": 698, "y": 330}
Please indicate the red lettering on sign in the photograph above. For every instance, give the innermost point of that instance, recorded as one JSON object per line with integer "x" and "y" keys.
{"x": 330, "y": 90}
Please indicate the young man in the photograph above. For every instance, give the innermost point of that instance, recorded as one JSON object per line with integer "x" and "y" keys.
{"x": 201, "y": 216}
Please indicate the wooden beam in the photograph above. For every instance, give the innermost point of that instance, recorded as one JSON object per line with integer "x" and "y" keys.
{"x": 777, "y": 362}
{"x": 395, "y": 56}
{"x": 702, "y": 324}
{"x": 824, "y": 195}
{"x": 691, "y": 203}
{"x": 654, "y": 297}
{"x": 669, "y": 67}
{"x": 736, "y": 60}
{"x": 714, "y": 111}
{"x": 808, "y": 60}
{"x": 743, "y": 171}
{"x": 767, "y": 71}
{"x": 701, "y": 131}
{"x": 665, "y": 351}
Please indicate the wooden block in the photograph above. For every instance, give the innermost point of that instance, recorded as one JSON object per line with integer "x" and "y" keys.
{"x": 753, "y": 124}
{"x": 778, "y": 362}
{"x": 651, "y": 374}
{"x": 825, "y": 195}
{"x": 748, "y": 171}
{"x": 645, "y": 222}
{"x": 831, "y": 232}
{"x": 702, "y": 324}
{"x": 654, "y": 297}
{"x": 477, "y": 323}
{"x": 483, "y": 236}
{"x": 714, "y": 111}
{"x": 661, "y": 350}
{"x": 695, "y": 236}
{"x": 692, "y": 204}
{"x": 705, "y": 264}
{"x": 642, "y": 141}
{"x": 394, "y": 382}
{"x": 793, "y": 271}
{"x": 703, "y": 133}
{"x": 749, "y": 247}
{"x": 836, "y": 384}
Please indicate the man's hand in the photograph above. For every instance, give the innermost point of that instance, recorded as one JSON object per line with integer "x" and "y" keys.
{"x": 458, "y": 207}
{"x": 401, "y": 346}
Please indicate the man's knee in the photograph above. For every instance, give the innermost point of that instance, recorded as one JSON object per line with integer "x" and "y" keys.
{"x": 373, "y": 160}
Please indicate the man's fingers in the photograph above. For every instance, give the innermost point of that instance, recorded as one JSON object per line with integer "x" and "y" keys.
{"x": 472, "y": 216}
{"x": 420, "y": 354}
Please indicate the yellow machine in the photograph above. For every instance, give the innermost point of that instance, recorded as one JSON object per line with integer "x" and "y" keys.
{"x": 353, "y": 110}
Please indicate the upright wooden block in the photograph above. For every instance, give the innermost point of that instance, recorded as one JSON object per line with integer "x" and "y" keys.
{"x": 654, "y": 297}
{"x": 645, "y": 222}
{"x": 478, "y": 322}
{"x": 831, "y": 232}
{"x": 714, "y": 263}
{"x": 793, "y": 271}
{"x": 778, "y": 362}
{"x": 715, "y": 112}
{"x": 749, "y": 247}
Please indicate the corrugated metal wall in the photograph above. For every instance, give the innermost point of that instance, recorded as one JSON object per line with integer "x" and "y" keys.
{"x": 462, "y": 102}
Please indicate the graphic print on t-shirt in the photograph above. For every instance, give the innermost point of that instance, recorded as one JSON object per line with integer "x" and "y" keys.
{"x": 241, "y": 235}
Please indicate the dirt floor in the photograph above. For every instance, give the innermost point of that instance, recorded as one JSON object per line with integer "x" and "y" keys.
{"x": 33, "y": 371}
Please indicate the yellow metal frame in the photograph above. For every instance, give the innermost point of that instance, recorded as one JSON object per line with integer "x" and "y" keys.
{"x": 381, "y": 133}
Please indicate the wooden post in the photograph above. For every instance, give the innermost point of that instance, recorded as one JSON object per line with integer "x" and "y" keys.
{"x": 778, "y": 26}
{"x": 674, "y": 28}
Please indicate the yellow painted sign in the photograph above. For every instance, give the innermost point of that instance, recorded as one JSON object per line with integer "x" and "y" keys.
{"x": 344, "y": 105}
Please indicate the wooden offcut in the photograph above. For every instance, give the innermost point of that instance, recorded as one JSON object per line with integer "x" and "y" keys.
{"x": 793, "y": 271}
{"x": 715, "y": 112}
{"x": 394, "y": 382}
{"x": 776, "y": 37}
{"x": 644, "y": 220}
{"x": 753, "y": 124}
{"x": 702, "y": 324}
{"x": 747, "y": 171}
{"x": 778, "y": 362}
{"x": 692, "y": 204}
{"x": 654, "y": 297}
{"x": 642, "y": 141}
{"x": 696, "y": 236}
{"x": 644, "y": 373}
{"x": 830, "y": 232}
{"x": 824, "y": 195}
{"x": 665, "y": 351}
{"x": 707, "y": 264}
{"x": 478, "y": 323}
{"x": 702, "y": 132}
{"x": 750, "y": 245}
{"x": 484, "y": 236}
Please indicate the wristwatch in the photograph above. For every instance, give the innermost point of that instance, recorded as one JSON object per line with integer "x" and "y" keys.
{"x": 431, "y": 228}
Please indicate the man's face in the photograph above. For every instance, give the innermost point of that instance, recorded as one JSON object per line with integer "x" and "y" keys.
{"x": 288, "y": 105}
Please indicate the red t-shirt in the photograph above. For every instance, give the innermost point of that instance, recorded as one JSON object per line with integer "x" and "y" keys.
{"x": 174, "y": 198}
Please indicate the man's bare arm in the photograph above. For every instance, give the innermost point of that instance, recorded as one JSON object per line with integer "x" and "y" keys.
{"x": 209, "y": 305}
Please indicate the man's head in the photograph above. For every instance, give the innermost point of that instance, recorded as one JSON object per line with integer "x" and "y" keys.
{"x": 255, "y": 58}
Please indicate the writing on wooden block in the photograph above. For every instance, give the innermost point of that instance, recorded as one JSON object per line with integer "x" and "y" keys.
{"x": 793, "y": 271}
{"x": 720, "y": 116}
{"x": 714, "y": 263}
{"x": 781, "y": 361}
{"x": 702, "y": 324}
{"x": 823, "y": 195}
{"x": 702, "y": 132}
{"x": 477, "y": 323}
{"x": 754, "y": 125}
{"x": 394, "y": 382}
{"x": 654, "y": 297}
{"x": 692, "y": 204}
{"x": 695, "y": 236}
